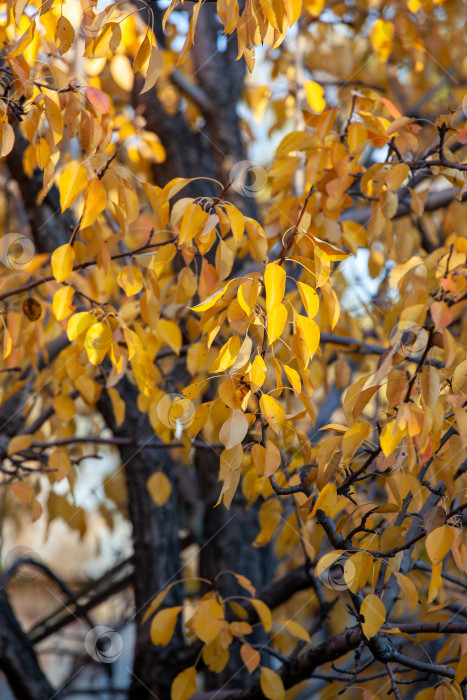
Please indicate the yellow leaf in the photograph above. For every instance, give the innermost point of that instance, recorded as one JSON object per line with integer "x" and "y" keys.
{"x": 155, "y": 603}
{"x": 210, "y": 300}
{"x": 277, "y": 318}
{"x": 60, "y": 464}
{"x": 436, "y": 582}
{"x": 208, "y": 620}
{"x": 62, "y": 305}
{"x": 7, "y": 343}
{"x": 438, "y": 543}
{"x": 142, "y": 55}
{"x": 199, "y": 419}
{"x": 184, "y": 685}
{"x": 88, "y": 388}
{"x": 215, "y": 657}
{"x": 315, "y": 96}
{"x": 408, "y": 589}
{"x": 245, "y": 582}
{"x": 227, "y": 355}
{"x": 263, "y": 612}
{"x": 106, "y": 42}
{"x": 22, "y": 43}
{"x": 332, "y": 303}
{"x": 272, "y": 459}
{"x": 295, "y": 630}
{"x": 461, "y": 671}
{"x": 390, "y": 437}
{"x": 294, "y": 379}
{"x": 270, "y": 515}
{"x": 243, "y": 355}
{"x": 327, "y": 560}
{"x": 130, "y": 280}
{"x": 310, "y": 332}
{"x": 271, "y": 684}
{"x": 250, "y": 657}
{"x": 257, "y": 373}
{"x": 97, "y": 342}
{"x": 381, "y": 38}
{"x": 293, "y": 9}
{"x": 64, "y": 35}
{"x": 72, "y": 182}
{"x": 42, "y": 152}
{"x": 273, "y": 412}
{"x": 374, "y": 613}
{"x": 247, "y": 295}
{"x": 118, "y": 405}
{"x": 64, "y": 407}
{"x": 94, "y": 203}
{"x": 274, "y": 283}
{"x": 7, "y": 139}
{"x": 79, "y": 323}
{"x": 23, "y": 492}
{"x": 163, "y": 625}
{"x": 234, "y": 429}
{"x": 160, "y": 488}
{"x": 309, "y": 298}
{"x": 18, "y": 443}
{"x": 170, "y": 334}
{"x": 154, "y": 69}
{"x": 62, "y": 261}
{"x": 353, "y": 438}
{"x": 396, "y": 176}
{"x": 122, "y": 72}
{"x": 357, "y": 138}
{"x": 326, "y": 500}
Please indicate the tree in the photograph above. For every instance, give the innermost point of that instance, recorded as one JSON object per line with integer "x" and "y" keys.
{"x": 167, "y": 299}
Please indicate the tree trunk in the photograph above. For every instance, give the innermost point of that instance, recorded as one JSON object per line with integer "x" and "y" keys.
{"x": 18, "y": 660}
{"x": 156, "y": 545}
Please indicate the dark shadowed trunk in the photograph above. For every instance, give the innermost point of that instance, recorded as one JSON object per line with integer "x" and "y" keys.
{"x": 155, "y": 542}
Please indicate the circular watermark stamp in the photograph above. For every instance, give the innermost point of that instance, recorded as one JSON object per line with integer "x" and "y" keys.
{"x": 175, "y": 411}
{"x": 16, "y": 560}
{"x": 409, "y": 339}
{"x": 103, "y": 644}
{"x": 16, "y": 250}
{"x": 404, "y": 27}
{"x": 339, "y": 575}
{"x": 93, "y": 23}
{"x": 248, "y": 178}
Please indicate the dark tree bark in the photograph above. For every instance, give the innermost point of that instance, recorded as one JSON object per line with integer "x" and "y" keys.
{"x": 156, "y": 545}
{"x": 48, "y": 226}
{"x": 226, "y": 545}
{"x": 212, "y": 149}
{"x": 18, "y": 660}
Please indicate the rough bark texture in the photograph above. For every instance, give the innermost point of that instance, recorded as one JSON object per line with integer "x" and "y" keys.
{"x": 211, "y": 150}
{"x": 226, "y": 545}
{"x": 48, "y": 226}
{"x": 155, "y": 542}
{"x": 18, "y": 660}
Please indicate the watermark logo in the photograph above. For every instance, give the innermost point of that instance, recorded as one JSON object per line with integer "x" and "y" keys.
{"x": 16, "y": 560}
{"x": 339, "y": 574}
{"x": 404, "y": 27}
{"x": 248, "y": 178}
{"x": 103, "y": 644}
{"x": 175, "y": 411}
{"x": 16, "y": 251}
{"x": 409, "y": 339}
